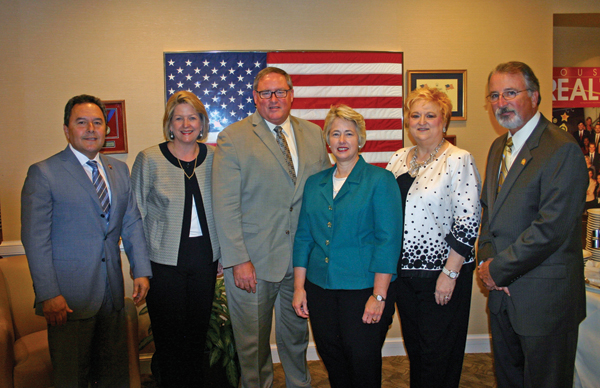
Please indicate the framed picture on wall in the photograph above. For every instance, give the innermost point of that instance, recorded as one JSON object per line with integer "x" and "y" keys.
{"x": 452, "y": 82}
{"x": 116, "y": 128}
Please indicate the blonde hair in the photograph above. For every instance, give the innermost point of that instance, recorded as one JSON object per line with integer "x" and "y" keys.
{"x": 183, "y": 97}
{"x": 349, "y": 114}
{"x": 428, "y": 94}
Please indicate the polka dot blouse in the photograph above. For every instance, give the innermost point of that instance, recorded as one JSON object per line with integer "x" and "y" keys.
{"x": 442, "y": 210}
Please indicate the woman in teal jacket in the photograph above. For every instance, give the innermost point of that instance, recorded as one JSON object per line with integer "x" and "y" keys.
{"x": 346, "y": 252}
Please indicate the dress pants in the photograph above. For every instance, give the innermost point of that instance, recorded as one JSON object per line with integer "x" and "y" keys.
{"x": 91, "y": 351}
{"x": 251, "y": 318}
{"x": 531, "y": 362}
{"x": 349, "y": 348}
{"x": 435, "y": 336}
{"x": 180, "y": 303}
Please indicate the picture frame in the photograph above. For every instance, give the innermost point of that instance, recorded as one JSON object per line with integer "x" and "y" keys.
{"x": 451, "y": 82}
{"x": 116, "y": 128}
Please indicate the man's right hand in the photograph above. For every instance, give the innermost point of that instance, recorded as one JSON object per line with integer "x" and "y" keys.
{"x": 55, "y": 310}
{"x": 245, "y": 276}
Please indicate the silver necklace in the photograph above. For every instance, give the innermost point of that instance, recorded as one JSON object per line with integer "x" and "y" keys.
{"x": 415, "y": 166}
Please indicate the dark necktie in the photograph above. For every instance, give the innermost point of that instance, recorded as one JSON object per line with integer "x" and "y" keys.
{"x": 100, "y": 186}
{"x": 283, "y": 145}
{"x": 504, "y": 165}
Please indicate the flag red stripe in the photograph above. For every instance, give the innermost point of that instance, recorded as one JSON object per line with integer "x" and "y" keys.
{"x": 346, "y": 79}
{"x": 333, "y": 57}
{"x": 373, "y": 124}
{"x": 354, "y": 102}
{"x": 382, "y": 146}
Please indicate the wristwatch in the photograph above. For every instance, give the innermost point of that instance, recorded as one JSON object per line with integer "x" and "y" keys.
{"x": 379, "y": 298}
{"x": 451, "y": 274}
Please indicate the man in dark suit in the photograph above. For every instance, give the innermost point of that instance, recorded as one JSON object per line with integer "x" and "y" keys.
{"x": 581, "y": 134}
{"x": 595, "y": 138}
{"x": 594, "y": 157}
{"x": 75, "y": 206}
{"x": 260, "y": 167}
{"x": 530, "y": 242}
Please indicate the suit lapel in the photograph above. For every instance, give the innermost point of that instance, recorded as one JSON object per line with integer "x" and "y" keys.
{"x": 492, "y": 172}
{"x": 519, "y": 163}
{"x": 268, "y": 138}
{"x": 300, "y": 145}
{"x": 73, "y": 167}
{"x": 326, "y": 185}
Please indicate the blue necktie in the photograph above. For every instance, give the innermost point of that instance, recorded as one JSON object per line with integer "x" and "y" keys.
{"x": 100, "y": 186}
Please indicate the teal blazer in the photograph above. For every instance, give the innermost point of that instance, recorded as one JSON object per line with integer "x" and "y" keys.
{"x": 343, "y": 242}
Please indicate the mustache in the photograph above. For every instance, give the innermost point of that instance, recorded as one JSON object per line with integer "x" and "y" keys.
{"x": 504, "y": 109}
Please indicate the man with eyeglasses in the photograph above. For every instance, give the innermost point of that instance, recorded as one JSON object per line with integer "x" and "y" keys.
{"x": 260, "y": 167}
{"x": 530, "y": 241}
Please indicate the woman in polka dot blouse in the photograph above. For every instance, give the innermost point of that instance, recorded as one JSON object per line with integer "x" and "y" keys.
{"x": 440, "y": 188}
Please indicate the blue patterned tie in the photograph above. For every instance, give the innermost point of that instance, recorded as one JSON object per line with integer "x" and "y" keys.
{"x": 100, "y": 186}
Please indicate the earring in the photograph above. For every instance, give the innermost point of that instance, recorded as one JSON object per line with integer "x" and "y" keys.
{"x": 171, "y": 135}
{"x": 444, "y": 129}
{"x": 201, "y": 134}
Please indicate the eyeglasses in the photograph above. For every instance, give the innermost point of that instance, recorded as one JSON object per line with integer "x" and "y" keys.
{"x": 266, "y": 94}
{"x": 507, "y": 95}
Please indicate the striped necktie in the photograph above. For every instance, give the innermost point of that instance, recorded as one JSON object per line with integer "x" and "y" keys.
{"x": 504, "y": 165}
{"x": 283, "y": 145}
{"x": 100, "y": 186}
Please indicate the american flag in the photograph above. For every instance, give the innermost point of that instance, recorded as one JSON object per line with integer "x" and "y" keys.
{"x": 369, "y": 82}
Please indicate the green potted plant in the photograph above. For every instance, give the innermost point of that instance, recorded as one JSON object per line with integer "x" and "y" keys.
{"x": 220, "y": 344}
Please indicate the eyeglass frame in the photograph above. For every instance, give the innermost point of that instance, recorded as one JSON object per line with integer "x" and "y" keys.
{"x": 273, "y": 92}
{"x": 488, "y": 97}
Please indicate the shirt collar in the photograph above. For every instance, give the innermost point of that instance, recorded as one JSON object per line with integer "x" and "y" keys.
{"x": 523, "y": 134}
{"x": 285, "y": 126}
{"x": 82, "y": 158}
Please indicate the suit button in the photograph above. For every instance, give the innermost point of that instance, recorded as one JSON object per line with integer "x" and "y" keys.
{"x": 327, "y": 259}
{"x": 291, "y": 209}
{"x": 329, "y": 224}
{"x": 102, "y": 215}
{"x": 330, "y": 207}
{"x": 287, "y": 232}
{"x": 326, "y": 242}
{"x": 103, "y": 259}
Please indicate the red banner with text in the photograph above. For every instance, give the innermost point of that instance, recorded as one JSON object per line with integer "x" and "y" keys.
{"x": 576, "y": 87}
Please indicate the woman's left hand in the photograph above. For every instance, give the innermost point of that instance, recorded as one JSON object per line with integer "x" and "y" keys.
{"x": 373, "y": 311}
{"x": 443, "y": 289}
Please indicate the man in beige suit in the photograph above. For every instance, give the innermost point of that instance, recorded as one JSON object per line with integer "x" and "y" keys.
{"x": 261, "y": 165}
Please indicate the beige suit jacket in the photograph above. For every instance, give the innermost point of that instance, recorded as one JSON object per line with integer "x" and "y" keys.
{"x": 256, "y": 204}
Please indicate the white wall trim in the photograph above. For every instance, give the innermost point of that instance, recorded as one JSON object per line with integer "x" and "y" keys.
{"x": 11, "y": 248}
{"x": 476, "y": 343}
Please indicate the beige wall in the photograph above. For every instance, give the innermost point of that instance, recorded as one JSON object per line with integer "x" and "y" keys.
{"x": 54, "y": 49}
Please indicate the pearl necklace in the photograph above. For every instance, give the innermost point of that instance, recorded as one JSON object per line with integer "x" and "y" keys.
{"x": 415, "y": 166}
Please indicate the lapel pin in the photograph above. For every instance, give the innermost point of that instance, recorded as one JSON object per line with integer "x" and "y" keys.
{"x": 523, "y": 162}
{"x": 110, "y": 165}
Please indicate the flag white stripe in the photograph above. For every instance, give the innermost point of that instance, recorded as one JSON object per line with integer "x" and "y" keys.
{"x": 339, "y": 68}
{"x": 384, "y": 134}
{"x": 347, "y": 91}
{"x": 377, "y": 157}
{"x": 368, "y": 113}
